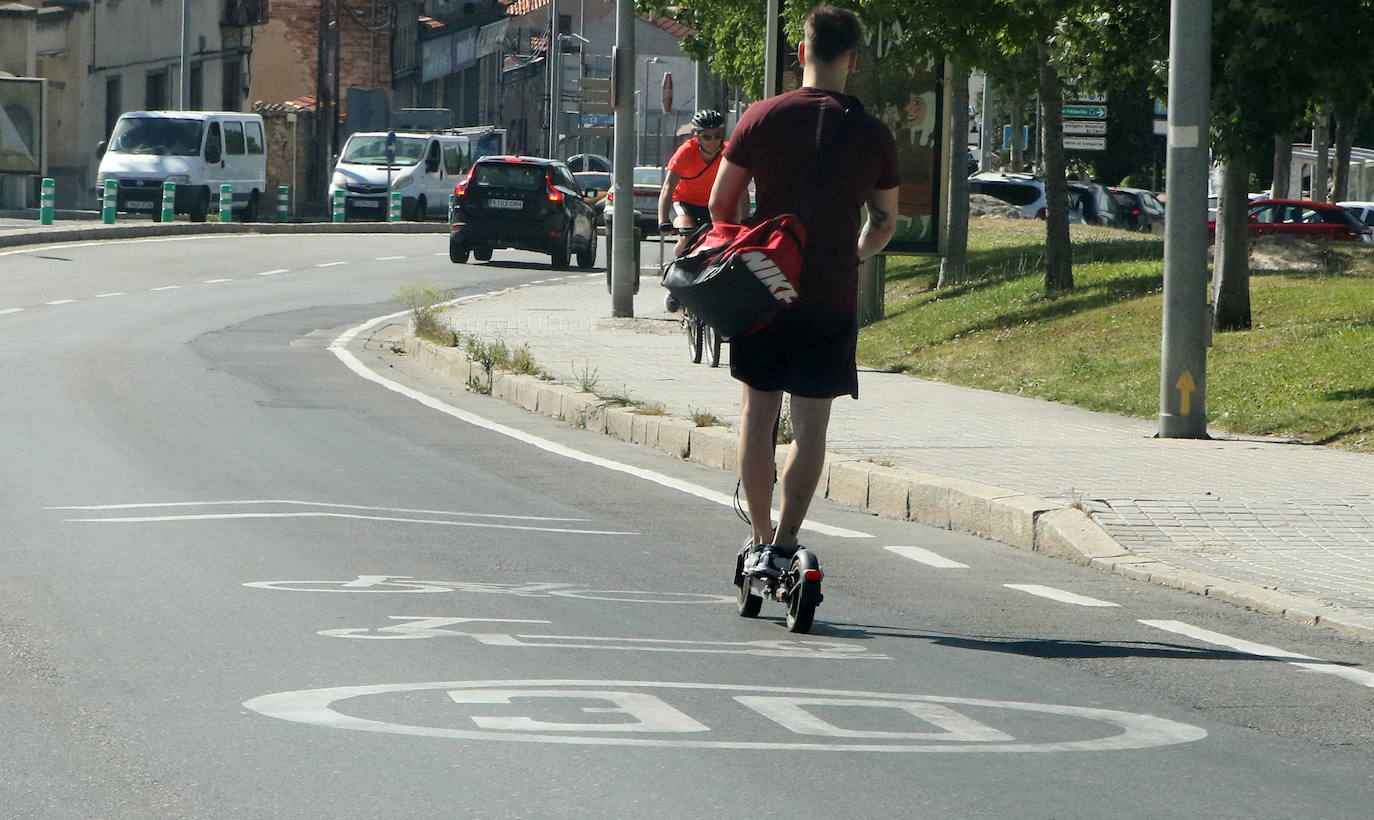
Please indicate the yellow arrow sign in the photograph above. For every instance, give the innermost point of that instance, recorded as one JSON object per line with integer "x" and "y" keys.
{"x": 1185, "y": 386}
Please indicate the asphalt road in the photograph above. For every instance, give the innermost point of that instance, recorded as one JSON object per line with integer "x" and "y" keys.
{"x": 239, "y": 579}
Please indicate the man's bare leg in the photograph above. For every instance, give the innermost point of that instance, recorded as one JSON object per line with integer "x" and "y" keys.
{"x": 759, "y": 412}
{"x": 801, "y": 472}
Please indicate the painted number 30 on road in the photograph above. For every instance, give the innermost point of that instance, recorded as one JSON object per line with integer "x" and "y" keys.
{"x": 711, "y": 716}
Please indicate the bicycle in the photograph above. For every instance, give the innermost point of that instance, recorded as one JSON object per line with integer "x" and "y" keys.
{"x": 702, "y": 339}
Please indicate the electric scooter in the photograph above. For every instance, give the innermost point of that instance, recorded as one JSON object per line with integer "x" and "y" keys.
{"x": 799, "y": 588}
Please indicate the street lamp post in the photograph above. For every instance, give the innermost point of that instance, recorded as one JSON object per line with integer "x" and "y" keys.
{"x": 644, "y": 101}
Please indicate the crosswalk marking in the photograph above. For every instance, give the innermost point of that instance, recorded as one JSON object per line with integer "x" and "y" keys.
{"x": 925, "y": 556}
{"x": 1059, "y": 595}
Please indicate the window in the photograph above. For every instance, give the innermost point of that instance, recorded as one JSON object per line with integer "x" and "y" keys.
{"x": 213, "y": 139}
{"x": 196, "y": 93}
{"x": 233, "y": 138}
{"x": 252, "y": 132}
{"x": 231, "y": 90}
{"x": 155, "y": 91}
{"x": 113, "y": 105}
{"x": 453, "y": 159}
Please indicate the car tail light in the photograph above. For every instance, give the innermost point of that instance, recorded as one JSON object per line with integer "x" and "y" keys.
{"x": 462, "y": 187}
{"x": 555, "y": 195}
{"x": 1042, "y": 214}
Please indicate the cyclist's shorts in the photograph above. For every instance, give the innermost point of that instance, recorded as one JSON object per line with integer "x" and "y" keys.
{"x": 700, "y": 214}
{"x": 804, "y": 352}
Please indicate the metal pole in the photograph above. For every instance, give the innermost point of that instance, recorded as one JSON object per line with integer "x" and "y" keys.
{"x": 623, "y": 267}
{"x": 1183, "y": 371}
{"x": 184, "y": 81}
{"x": 985, "y": 155}
{"x": 770, "y": 50}
{"x": 552, "y": 64}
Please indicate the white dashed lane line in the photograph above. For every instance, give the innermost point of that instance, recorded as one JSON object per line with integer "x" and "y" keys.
{"x": 1059, "y": 595}
{"x": 389, "y": 258}
{"x": 329, "y": 264}
{"x": 165, "y": 287}
{"x": 11, "y": 310}
{"x": 925, "y": 556}
{"x": 216, "y": 281}
{"x": 108, "y": 295}
{"x": 60, "y": 302}
{"x": 274, "y": 272}
{"x": 1260, "y": 650}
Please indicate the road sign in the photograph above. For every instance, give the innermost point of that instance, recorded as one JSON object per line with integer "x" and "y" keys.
{"x": 596, "y": 95}
{"x": 1089, "y": 128}
{"x": 1025, "y": 136}
{"x": 1085, "y": 143}
{"x": 667, "y": 91}
{"x": 1088, "y": 98}
{"x": 1085, "y": 112}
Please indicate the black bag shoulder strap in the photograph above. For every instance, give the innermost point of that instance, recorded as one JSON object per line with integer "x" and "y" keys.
{"x": 704, "y": 169}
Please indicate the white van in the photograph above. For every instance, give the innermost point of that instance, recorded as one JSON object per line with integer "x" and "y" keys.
{"x": 426, "y": 169}
{"x": 198, "y": 150}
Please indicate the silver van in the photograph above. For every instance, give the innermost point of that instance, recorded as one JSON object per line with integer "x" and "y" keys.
{"x": 197, "y": 150}
{"x": 424, "y": 169}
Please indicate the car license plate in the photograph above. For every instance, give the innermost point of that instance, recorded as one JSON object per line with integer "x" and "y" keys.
{"x": 646, "y": 203}
{"x": 506, "y": 204}
{"x": 139, "y": 203}
{"x": 367, "y": 203}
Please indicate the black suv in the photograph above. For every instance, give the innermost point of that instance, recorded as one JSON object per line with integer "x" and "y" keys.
{"x": 528, "y": 203}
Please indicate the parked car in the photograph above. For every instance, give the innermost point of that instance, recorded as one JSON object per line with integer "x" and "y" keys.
{"x": 528, "y": 203}
{"x": 1095, "y": 204}
{"x": 1304, "y": 219}
{"x": 596, "y": 185}
{"x": 589, "y": 162}
{"x": 1140, "y": 209}
{"x": 648, "y": 182}
{"x": 1024, "y": 191}
{"x": 1363, "y": 211}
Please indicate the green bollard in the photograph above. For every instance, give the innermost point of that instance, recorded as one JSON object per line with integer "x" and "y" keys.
{"x": 337, "y": 206}
{"x": 169, "y": 202}
{"x": 111, "y": 199}
{"x": 45, "y": 197}
{"x": 226, "y": 203}
{"x": 283, "y": 203}
{"x": 393, "y": 213}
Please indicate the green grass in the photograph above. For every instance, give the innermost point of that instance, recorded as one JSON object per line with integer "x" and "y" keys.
{"x": 1305, "y": 370}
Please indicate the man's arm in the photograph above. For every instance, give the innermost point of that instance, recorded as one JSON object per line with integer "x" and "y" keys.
{"x": 732, "y": 183}
{"x": 881, "y": 223}
{"x": 665, "y": 198}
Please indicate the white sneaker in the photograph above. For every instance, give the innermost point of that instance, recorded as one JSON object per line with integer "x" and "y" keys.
{"x": 764, "y": 562}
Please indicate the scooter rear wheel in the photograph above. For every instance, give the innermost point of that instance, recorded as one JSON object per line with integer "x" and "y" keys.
{"x": 803, "y": 595}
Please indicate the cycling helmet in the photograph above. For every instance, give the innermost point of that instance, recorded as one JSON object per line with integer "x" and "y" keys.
{"x": 707, "y": 118}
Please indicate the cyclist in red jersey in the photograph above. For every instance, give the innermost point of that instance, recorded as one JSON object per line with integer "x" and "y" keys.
{"x": 683, "y": 202}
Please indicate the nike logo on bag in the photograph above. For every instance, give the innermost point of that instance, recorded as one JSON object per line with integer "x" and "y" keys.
{"x": 770, "y": 276}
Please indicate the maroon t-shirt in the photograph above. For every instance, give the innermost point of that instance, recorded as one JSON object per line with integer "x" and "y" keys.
{"x": 776, "y": 141}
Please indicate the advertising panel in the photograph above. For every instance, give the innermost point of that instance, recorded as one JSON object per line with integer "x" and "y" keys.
{"x": 908, "y": 98}
{"x": 21, "y": 126}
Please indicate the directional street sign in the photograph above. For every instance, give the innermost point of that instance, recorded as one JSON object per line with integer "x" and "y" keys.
{"x": 1085, "y": 143}
{"x": 1085, "y": 112}
{"x": 1089, "y": 128}
{"x": 596, "y": 95}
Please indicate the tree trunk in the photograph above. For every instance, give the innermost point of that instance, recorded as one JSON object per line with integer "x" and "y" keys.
{"x": 1321, "y": 143}
{"x": 1231, "y": 263}
{"x": 954, "y": 264}
{"x": 1283, "y": 166}
{"x": 1058, "y": 249}
{"x": 1345, "y": 140}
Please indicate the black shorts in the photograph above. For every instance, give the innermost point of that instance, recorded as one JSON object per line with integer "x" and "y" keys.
{"x": 700, "y": 214}
{"x": 804, "y": 352}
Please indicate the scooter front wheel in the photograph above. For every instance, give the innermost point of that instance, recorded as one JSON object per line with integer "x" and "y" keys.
{"x": 749, "y": 603}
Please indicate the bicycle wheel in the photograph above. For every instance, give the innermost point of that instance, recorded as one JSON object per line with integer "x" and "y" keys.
{"x": 694, "y": 328}
{"x": 712, "y": 344}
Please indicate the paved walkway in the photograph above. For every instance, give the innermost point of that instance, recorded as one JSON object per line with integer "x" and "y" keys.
{"x": 1291, "y": 518}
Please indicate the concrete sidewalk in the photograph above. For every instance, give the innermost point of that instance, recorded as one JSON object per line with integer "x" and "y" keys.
{"x": 1283, "y": 528}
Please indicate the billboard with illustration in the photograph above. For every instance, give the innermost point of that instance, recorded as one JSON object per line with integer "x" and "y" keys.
{"x": 21, "y": 126}
{"x": 907, "y": 97}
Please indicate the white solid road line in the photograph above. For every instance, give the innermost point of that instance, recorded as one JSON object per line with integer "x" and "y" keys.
{"x": 1059, "y": 595}
{"x": 339, "y": 347}
{"x": 1259, "y": 650}
{"x": 924, "y": 556}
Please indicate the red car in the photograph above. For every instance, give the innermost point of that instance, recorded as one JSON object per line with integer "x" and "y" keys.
{"x": 1304, "y": 219}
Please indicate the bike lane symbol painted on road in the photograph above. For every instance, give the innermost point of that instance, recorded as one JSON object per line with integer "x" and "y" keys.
{"x": 412, "y": 627}
{"x": 723, "y": 716}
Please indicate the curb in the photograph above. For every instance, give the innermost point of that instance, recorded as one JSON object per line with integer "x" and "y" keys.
{"x": 1022, "y": 521}
{"x": 47, "y": 235}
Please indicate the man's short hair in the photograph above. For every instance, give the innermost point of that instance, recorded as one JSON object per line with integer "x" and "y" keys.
{"x": 832, "y": 32}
